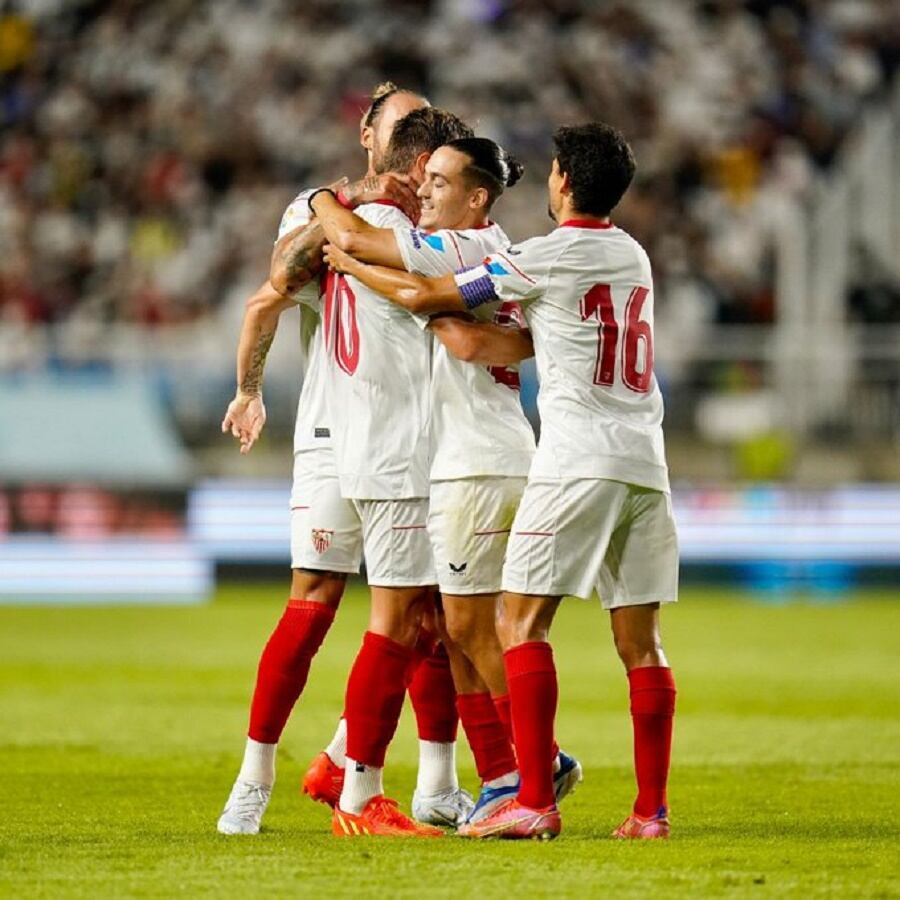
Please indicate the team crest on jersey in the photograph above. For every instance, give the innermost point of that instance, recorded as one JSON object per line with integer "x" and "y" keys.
{"x": 321, "y": 539}
{"x": 434, "y": 241}
{"x": 495, "y": 268}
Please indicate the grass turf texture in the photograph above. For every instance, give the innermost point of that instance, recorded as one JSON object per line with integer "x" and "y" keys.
{"x": 122, "y": 729}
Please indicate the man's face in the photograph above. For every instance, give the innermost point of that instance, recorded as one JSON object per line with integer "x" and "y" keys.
{"x": 446, "y": 198}
{"x": 395, "y": 108}
{"x": 554, "y": 191}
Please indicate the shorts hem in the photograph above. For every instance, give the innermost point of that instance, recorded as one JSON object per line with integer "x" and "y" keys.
{"x": 468, "y": 591}
{"x": 323, "y": 567}
{"x": 646, "y": 600}
{"x": 401, "y": 583}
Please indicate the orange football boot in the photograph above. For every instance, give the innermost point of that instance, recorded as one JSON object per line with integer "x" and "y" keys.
{"x": 324, "y": 780}
{"x": 379, "y": 817}
{"x": 642, "y": 829}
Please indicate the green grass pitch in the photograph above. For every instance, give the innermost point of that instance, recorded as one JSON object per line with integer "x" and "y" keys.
{"x": 121, "y": 731}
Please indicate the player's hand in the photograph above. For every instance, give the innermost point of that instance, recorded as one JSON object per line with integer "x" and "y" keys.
{"x": 399, "y": 189}
{"x": 245, "y": 418}
{"x": 338, "y": 259}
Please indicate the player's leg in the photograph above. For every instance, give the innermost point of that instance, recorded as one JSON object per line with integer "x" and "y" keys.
{"x": 633, "y": 590}
{"x": 553, "y": 551}
{"x": 325, "y": 547}
{"x": 468, "y": 523}
{"x": 398, "y": 561}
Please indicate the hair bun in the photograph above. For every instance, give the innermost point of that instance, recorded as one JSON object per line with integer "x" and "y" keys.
{"x": 383, "y": 89}
{"x": 514, "y": 170}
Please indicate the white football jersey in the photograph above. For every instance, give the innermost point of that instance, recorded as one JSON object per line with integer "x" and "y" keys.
{"x": 587, "y": 292}
{"x": 312, "y": 430}
{"x": 477, "y": 424}
{"x": 379, "y": 377}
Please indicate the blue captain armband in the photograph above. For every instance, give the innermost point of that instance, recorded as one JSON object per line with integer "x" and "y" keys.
{"x": 476, "y": 286}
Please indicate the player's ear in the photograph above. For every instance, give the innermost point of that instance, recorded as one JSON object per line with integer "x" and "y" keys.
{"x": 418, "y": 169}
{"x": 367, "y": 137}
{"x": 565, "y": 186}
{"x": 479, "y": 198}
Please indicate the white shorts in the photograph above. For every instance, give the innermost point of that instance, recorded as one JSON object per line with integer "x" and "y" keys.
{"x": 326, "y": 533}
{"x": 330, "y": 533}
{"x": 398, "y": 553}
{"x": 574, "y": 536}
{"x": 469, "y": 521}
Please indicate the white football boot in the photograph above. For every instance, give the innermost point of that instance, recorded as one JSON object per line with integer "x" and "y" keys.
{"x": 449, "y": 808}
{"x": 245, "y": 807}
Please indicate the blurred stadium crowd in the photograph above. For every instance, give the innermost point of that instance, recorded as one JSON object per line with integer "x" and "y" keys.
{"x": 148, "y": 149}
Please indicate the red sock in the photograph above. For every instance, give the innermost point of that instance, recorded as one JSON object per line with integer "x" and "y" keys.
{"x": 652, "y": 710}
{"x": 423, "y": 648}
{"x": 501, "y": 704}
{"x": 433, "y": 698}
{"x": 533, "y": 694}
{"x": 284, "y": 666}
{"x": 491, "y": 748}
{"x": 374, "y": 699}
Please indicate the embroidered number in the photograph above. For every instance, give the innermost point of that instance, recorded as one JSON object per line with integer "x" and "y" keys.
{"x": 637, "y": 367}
{"x": 341, "y": 330}
{"x": 508, "y": 313}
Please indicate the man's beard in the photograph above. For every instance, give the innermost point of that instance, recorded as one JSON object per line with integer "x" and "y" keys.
{"x": 552, "y": 214}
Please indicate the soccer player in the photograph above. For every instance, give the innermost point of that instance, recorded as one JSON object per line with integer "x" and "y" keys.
{"x": 482, "y": 444}
{"x": 596, "y": 512}
{"x": 379, "y": 363}
{"x": 325, "y": 536}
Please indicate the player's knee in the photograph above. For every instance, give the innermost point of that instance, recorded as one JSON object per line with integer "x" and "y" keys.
{"x": 318, "y": 587}
{"x": 399, "y": 614}
{"x": 636, "y": 652}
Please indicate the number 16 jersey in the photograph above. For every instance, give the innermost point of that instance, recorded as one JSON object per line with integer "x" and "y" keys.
{"x": 587, "y": 292}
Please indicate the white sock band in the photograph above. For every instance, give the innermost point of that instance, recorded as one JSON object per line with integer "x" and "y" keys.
{"x": 259, "y": 763}
{"x": 361, "y": 784}
{"x": 437, "y": 768}
{"x": 337, "y": 749}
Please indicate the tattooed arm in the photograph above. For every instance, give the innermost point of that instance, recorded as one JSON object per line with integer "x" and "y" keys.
{"x": 357, "y": 237}
{"x": 246, "y": 414}
{"x": 297, "y": 257}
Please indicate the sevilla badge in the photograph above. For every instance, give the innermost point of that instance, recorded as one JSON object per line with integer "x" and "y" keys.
{"x": 321, "y": 539}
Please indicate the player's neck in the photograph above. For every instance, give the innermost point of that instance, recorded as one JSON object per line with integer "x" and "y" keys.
{"x": 568, "y": 214}
{"x": 472, "y": 220}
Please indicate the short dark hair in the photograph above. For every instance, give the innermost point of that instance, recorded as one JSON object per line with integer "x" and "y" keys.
{"x": 599, "y": 163}
{"x": 490, "y": 166}
{"x": 382, "y": 93}
{"x": 422, "y": 131}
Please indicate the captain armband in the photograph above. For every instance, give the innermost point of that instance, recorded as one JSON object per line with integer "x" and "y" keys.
{"x": 475, "y": 286}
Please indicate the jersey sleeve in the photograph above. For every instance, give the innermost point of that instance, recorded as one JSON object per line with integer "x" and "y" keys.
{"x": 518, "y": 274}
{"x": 430, "y": 254}
{"x": 295, "y": 215}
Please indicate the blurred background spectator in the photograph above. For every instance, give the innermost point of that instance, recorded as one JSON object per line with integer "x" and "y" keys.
{"x": 148, "y": 150}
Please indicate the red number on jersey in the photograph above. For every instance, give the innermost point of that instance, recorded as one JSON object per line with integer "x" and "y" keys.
{"x": 597, "y": 303}
{"x": 636, "y": 333}
{"x": 341, "y": 330}
{"x": 508, "y": 313}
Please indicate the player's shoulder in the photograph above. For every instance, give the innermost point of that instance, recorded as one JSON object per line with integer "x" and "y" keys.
{"x": 383, "y": 214}
{"x": 296, "y": 214}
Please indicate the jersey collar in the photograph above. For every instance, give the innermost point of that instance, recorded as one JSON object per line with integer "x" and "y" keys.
{"x": 584, "y": 223}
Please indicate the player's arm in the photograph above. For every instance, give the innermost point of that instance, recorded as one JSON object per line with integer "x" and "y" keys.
{"x": 344, "y": 229}
{"x": 297, "y": 257}
{"x": 483, "y": 343}
{"x": 414, "y": 293}
{"x": 246, "y": 414}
